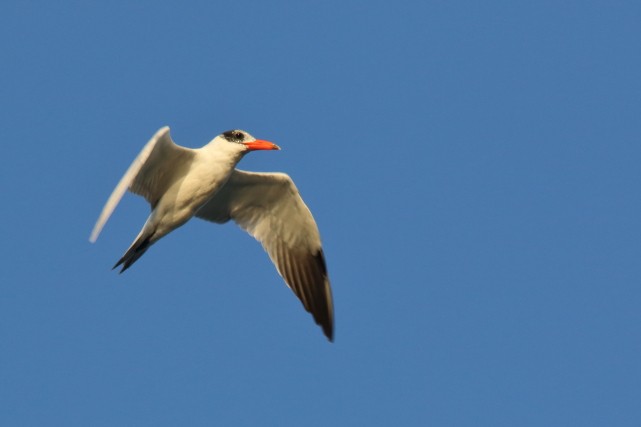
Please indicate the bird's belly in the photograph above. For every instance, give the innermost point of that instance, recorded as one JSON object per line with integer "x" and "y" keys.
{"x": 181, "y": 202}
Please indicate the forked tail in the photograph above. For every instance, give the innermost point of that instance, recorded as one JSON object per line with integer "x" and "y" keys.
{"x": 135, "y": 251}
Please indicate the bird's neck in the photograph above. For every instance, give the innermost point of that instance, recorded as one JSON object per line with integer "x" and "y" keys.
{"x": 223, "y": 154}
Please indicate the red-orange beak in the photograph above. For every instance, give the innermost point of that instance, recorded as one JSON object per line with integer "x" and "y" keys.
{"x": 261, "y": 144}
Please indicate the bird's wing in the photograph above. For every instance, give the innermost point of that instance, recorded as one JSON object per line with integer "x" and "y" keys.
{"x": 269, "y": 207}
{"x": 150, "y": 174}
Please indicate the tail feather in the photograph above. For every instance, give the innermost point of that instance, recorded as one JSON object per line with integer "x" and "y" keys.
{"x": 135, "y": 251}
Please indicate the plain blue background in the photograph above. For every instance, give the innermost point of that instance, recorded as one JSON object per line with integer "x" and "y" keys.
{"x": 474, "y": 169}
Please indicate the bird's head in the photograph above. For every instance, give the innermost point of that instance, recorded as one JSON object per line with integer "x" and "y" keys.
{"x": 245, "y": 142}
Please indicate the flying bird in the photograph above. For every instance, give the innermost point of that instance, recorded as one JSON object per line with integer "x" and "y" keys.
{"x": 181, "y": 183}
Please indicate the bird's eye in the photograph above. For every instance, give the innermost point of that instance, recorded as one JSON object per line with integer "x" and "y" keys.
{"x": 239, "y": 136}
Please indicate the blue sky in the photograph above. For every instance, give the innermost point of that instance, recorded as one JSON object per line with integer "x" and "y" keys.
{"x": 473, "y": 167}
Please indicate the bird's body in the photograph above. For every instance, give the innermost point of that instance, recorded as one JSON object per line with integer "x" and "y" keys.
{"x": 180, "y": 183}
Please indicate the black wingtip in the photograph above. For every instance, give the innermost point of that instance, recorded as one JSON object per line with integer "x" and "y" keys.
{"x": 329, "y": 333}
{"x": 323, "y": 307}
{"x": 327, "y": 325}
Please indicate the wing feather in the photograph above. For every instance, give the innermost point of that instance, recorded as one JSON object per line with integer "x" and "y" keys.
{"x": 150, "y": 174}
{"x": 269, "y": 207}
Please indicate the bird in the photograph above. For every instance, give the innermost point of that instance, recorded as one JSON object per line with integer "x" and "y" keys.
{"x": 181, "y": 183}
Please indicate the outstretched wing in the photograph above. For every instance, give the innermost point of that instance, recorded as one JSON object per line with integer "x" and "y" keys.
{"x": 150, "y": 174}
{"x": 269, "y": 207}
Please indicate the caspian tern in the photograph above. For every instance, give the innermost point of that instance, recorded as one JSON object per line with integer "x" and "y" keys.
{"x": 181, "y": 183}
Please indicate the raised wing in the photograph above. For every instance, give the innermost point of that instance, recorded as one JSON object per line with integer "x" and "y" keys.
{"x": 269, "y": 207}
{"x": 150, "y": 174}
